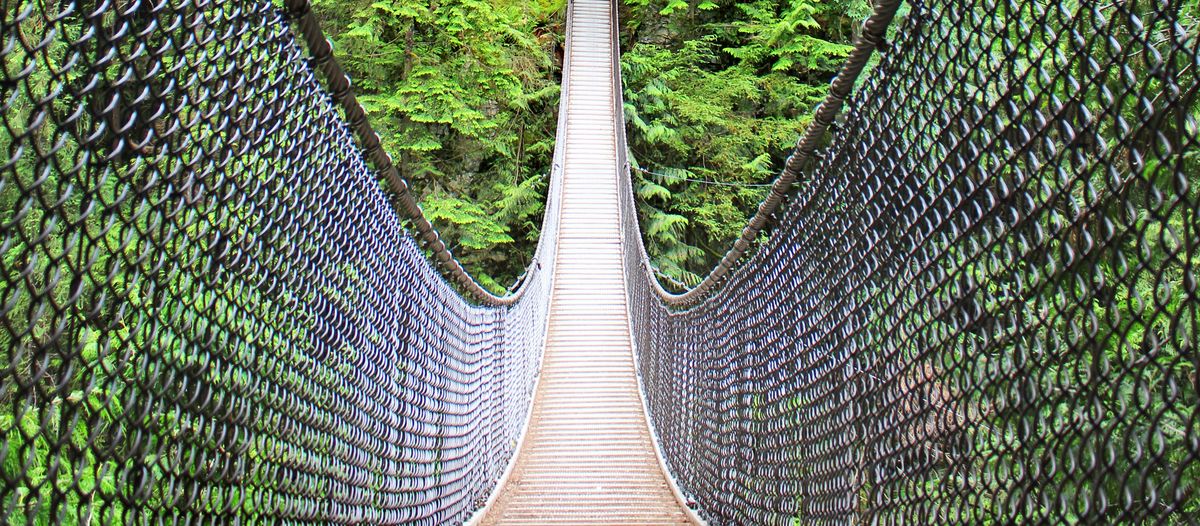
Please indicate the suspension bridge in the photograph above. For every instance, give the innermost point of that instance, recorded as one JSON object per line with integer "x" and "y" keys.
{"x": 969, "y": 298}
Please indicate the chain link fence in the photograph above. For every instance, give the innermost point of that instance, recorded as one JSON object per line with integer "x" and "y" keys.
{"x": 210, "y": 312}
{"x": 978, "y": 304}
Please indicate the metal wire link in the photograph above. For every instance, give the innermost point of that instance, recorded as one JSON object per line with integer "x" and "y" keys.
{"x": 979, "y": 306}
{"x": 210, "y": 312}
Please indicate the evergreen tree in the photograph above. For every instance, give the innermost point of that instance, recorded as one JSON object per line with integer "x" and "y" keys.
{"x": 464, "y": 93}
{"x": 716, "y": 93}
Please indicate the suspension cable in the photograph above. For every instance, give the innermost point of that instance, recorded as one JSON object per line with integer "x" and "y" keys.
{"x": 675, "y": 178}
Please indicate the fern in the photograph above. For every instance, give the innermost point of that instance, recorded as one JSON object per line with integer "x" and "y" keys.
{"x": 648, "y": 190}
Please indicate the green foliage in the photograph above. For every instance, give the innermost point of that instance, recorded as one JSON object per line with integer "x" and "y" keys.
{"x": 472, "y": 226}
{"x": 719, "y": 92}
{"x": 465, "y": 94}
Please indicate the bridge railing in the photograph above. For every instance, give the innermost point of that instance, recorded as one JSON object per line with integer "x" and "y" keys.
{"x": 978, "y": 304}
{"x": 210, "y": 309}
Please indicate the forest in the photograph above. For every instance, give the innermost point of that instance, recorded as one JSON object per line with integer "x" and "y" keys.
{"x": 465, "y": 95}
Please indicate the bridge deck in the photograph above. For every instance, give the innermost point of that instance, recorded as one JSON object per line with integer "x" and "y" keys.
{"x": 588, "y": 456}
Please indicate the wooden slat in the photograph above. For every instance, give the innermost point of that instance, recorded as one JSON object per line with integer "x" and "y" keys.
{"x": 588, "y": 456}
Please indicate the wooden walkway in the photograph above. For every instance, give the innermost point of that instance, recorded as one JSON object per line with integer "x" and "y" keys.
{"x": 588, "y": 456}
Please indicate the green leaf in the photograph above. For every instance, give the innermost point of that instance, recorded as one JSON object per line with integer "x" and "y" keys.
{"x": 648, "y": 190}
{"x": 672, "y": 6}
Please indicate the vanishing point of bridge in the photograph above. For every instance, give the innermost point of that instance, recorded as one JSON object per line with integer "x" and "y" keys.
{"x": 588, "y": 456}
{"x": 970, "y": 296}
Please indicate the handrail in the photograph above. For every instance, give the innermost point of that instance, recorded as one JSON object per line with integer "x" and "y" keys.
{"x": 341, "y": 89}
{"x": 865, "y": 44}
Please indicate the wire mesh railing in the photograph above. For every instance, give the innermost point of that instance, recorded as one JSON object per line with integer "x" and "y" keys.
{"x": 978, "y": 304}
{"x": 210, "y": 312}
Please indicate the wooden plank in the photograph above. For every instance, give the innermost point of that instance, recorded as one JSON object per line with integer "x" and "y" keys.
{"x": 588, "y": 456}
